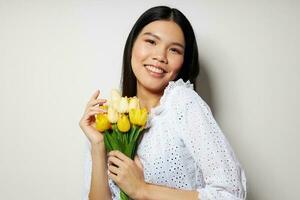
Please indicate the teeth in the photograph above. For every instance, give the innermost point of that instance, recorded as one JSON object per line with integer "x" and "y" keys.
{"x": 154, "y": 69}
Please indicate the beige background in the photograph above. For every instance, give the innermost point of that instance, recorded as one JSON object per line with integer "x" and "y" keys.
{"x": 54, "y": 54}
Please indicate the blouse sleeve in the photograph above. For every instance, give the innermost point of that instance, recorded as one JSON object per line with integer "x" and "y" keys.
{"x": 114, "y": 189}
{"x": 223, "y": 175}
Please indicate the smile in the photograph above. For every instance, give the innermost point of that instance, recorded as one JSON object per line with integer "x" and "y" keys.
{"x": 154, "y": 69}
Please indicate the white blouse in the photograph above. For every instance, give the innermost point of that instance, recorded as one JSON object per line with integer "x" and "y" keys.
{"x": 184, "y": 148}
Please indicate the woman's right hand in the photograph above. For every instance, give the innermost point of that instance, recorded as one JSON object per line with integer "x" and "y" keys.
{"x": 88, "y": 121}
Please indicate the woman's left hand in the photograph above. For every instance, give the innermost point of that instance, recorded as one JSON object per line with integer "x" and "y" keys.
{"x": 126, "y": 173}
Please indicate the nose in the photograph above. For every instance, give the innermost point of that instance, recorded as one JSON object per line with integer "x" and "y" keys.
{"x": 160, "y": 55}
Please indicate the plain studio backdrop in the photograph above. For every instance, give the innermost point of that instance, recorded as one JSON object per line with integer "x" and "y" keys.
{"x": 55, "y": 54}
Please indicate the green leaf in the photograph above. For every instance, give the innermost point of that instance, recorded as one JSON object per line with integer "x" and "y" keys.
{"x": 106, "y": 141}
{"x": 114, "y": 143}
{"x": 121, "y": 138}
{"x": 114, "y": 134}
{"x": 124, "y": 196}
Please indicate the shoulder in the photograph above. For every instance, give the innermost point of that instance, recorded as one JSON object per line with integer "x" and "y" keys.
{"x": 184, "y": 97}
{"x": 180, "y": 89}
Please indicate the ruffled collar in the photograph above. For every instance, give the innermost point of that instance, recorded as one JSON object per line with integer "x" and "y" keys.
{"x": 155, "y": 111}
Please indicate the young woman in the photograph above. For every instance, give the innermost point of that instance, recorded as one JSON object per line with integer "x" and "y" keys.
{"x": 183, "y": 153}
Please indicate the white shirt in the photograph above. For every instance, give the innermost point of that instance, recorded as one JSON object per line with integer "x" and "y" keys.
{"x": 184, "y": 148}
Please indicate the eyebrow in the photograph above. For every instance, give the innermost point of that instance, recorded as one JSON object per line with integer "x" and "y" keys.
{"x": 153, "y": 35}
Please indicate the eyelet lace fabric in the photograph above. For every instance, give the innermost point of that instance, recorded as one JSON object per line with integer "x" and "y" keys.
{"x": 172, "y": 84}
{"x": 183, "y": 147}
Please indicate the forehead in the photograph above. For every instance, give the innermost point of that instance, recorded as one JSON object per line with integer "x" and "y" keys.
{"x": 168, "y": 31}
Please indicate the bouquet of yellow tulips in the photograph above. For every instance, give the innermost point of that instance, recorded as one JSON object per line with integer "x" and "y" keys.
{"x": 122, "y": 125}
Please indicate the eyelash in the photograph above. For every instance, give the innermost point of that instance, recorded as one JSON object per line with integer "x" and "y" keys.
{"x": 150, "y": 41}
{"x": 153, "y": 42}
{"x": 176, "y": 50}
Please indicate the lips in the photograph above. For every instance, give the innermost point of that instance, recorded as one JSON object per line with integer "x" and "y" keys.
{"x": 155, "y": 69}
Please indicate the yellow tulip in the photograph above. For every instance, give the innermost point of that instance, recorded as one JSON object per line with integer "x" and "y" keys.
{"x": 115, "y": 104}
{"x": 138, "y": 116}
{"x": 123, "y": 123}
{"x": 123, "y": 106}
{"x": 112, "y": 115}
{"x": 102, "y": 123}
{"x": 115, "y": 98}
{"x": 133, "y": 103}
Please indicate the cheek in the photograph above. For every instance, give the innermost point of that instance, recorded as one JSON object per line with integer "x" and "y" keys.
{"x": 139, "y": 53}
{"x": 177, "y": 64}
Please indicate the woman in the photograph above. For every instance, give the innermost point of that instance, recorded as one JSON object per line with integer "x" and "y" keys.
{"x": 183, "y": 154}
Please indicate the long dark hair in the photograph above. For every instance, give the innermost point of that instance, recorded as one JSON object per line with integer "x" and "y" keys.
{"x": 189, "y": 70}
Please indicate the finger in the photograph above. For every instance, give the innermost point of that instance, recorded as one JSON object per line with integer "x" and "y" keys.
{"x": 138, "y": 162}
{"x": 97, "y": 108}
{"x": 113, "y": 169}
{"x": 119, "y": 155}
{"x": 95, "y": 95}
{"x": 112, "y": 176}
{"x": 91, "y": 114}
{"x": 112, "y": 160}
{"x": 95, "y": 102}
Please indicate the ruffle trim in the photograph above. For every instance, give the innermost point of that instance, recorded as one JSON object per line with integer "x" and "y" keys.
{"x": 170, "y": 87}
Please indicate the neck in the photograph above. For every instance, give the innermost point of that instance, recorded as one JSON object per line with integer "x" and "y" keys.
{"x": 147, "y": 98}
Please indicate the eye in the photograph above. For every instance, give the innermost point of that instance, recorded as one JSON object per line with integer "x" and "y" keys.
{"x": 176, "y": 50}
{"x": 150, "y": 41}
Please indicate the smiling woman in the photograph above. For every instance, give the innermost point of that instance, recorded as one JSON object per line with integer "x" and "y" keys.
{"x": 183, "y": 154}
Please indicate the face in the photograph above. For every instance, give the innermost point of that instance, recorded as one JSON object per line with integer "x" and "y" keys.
{"x": 157, "y": 55}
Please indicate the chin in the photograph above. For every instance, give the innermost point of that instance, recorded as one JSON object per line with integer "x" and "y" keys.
{"x": 155, "y": 86}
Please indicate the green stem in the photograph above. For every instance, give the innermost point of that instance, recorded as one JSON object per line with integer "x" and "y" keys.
{"x": 132, "y": 133}
{"x": 137, "y": 134}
